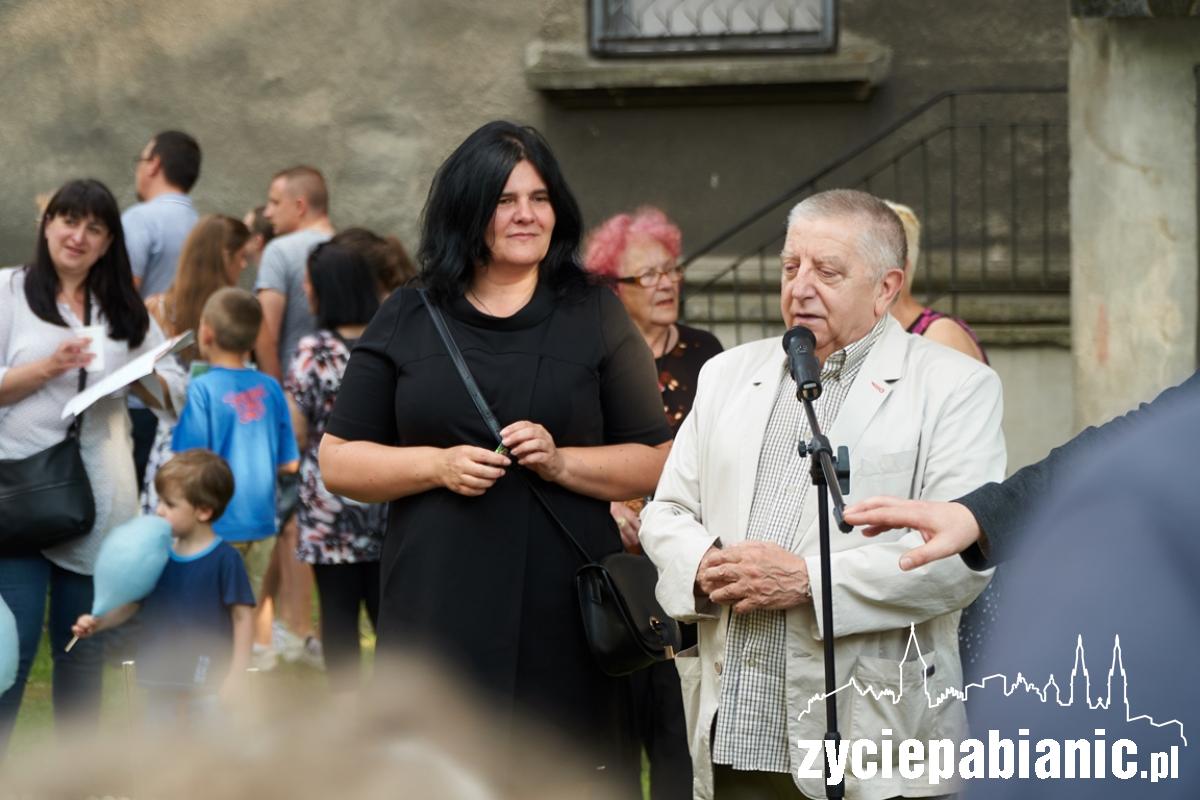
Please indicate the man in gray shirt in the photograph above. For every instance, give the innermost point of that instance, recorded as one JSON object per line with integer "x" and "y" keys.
{"x": 156, "y": 228}
{"x": 298, "y": 208}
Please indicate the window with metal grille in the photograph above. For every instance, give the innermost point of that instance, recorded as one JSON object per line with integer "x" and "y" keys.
{"x": 664, "y": 27}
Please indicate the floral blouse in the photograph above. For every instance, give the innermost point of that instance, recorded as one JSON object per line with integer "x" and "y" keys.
{"x": 333, "y": 529}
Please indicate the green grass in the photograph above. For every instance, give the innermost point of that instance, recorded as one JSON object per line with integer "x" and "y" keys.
{"x": 35, "y": 722}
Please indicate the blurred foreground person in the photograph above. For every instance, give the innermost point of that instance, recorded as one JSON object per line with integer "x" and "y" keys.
{"x": 419, "y": 736}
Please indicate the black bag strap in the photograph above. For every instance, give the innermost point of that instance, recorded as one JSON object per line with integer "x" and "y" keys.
{"x": 74, "y": 428}
{"x": 489, "y": 419}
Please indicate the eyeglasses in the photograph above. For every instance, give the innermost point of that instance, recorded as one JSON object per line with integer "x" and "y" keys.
{"x": 651, "y": 277}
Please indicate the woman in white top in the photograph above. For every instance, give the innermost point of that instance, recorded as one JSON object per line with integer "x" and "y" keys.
{"x": 80, "y": 269}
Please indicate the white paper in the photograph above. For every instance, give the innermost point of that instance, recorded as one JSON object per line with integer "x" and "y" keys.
{"x": 139, "y": 368}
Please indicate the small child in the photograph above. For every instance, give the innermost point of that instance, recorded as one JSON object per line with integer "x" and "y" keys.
{"x": 197, "y": 622}
{"x": 241, "y": 414}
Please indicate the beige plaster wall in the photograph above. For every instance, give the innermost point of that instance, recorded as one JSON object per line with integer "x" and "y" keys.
{"x": 1133, "y": 210}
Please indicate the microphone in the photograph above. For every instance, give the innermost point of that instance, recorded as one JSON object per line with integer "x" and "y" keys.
{"x": 799, "y": 344}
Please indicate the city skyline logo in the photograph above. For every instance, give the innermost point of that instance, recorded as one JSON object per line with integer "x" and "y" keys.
{"x": 1045, "y": 692}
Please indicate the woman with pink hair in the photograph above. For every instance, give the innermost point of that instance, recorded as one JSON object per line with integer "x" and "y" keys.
{"x": 638, "y": 255}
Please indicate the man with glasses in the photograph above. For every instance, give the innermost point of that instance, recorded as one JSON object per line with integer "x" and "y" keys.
{"x": 155, "y": 229}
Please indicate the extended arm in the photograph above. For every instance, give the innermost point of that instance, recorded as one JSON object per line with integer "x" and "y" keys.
{"x": 964, "y": 446}
{"x": 88, "y": 625}
{"x": 985, "y": 525}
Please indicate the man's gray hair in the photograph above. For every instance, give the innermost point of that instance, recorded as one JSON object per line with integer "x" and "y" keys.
{"x": 880, "y": 236}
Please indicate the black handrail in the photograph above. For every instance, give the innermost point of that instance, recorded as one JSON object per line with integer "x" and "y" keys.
{"x": 852, "y": 153}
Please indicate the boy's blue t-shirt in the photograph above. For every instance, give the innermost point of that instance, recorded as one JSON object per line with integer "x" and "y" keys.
{"x": 187, "y": 633}
{"x": 242, "y": 416}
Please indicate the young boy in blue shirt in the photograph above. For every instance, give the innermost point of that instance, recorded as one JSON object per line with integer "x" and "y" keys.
{"x": 197, "y": 622}
{"x": 241, "y": 414}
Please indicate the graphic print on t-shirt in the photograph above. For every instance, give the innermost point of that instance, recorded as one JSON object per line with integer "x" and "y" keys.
{"x": 248, "y": 404}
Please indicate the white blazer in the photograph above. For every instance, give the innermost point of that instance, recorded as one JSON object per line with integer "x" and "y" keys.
{"x": 921, "y": 421}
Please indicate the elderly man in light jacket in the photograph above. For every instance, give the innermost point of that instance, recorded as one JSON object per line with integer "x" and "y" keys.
{"x": 733, "y": 526}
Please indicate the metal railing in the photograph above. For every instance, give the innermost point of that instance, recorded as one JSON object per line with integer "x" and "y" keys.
{"x": 986, "y": 170}
{"x": 672, "y": 27}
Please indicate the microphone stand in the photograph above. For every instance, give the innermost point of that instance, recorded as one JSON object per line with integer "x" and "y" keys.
{"x": 825, "y": 479}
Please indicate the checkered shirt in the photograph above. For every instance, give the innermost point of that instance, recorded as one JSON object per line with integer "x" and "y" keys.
{"x": 752, "y": 722}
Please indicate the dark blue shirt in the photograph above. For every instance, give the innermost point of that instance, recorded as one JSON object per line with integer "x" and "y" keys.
{"x": 187, "y": 631}
{"x": 1113, "y": 551}
{"x": 242, "y": 416}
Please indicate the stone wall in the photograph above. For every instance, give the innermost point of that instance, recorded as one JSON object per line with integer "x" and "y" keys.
{"x": 377, "y": 92}
{"x": 1134, "y": 209}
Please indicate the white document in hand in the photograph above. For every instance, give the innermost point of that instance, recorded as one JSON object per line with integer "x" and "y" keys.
{"x": 137, "y": 369}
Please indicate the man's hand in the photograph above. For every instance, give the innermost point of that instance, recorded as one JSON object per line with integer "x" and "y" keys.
{"x": 947, "y": 528}
{"x": 752, "y": 576}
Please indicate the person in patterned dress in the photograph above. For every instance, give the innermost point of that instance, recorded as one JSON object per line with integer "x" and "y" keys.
{"x": 339, "y": 537}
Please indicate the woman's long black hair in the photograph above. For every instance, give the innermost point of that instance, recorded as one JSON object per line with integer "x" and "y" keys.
{"x": 110, "y": 280}
{"x": 344, "y": 286}
{"x": 462, "y": 201}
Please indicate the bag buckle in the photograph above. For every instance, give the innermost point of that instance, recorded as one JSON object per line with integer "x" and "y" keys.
{"x": 657, "y": 626}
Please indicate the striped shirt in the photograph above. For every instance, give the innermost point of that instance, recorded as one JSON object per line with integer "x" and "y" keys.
{"x": 752, "y": 722}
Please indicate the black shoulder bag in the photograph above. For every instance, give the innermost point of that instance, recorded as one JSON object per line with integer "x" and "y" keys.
{"x": 626, "y": 628}
{"x": 46, "y": 498}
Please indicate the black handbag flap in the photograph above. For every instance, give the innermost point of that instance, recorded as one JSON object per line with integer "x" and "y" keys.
{"x": 635, "y": 577}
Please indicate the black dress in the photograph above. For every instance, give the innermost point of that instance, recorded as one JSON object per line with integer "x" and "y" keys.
{"x": 679, "y": 370}
{"x": 488, "y": 582}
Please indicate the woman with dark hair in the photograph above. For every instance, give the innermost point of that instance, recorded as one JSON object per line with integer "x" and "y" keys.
{"x": 386, "y": 257}
{"x": 79, "y": 276}
{"x": 339, "y": 537}
{"x": 472, "y": 565}
{"x": 213, "y": 256}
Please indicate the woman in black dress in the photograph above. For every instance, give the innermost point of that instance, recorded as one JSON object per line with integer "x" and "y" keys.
{"x": 472, "y": 565}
